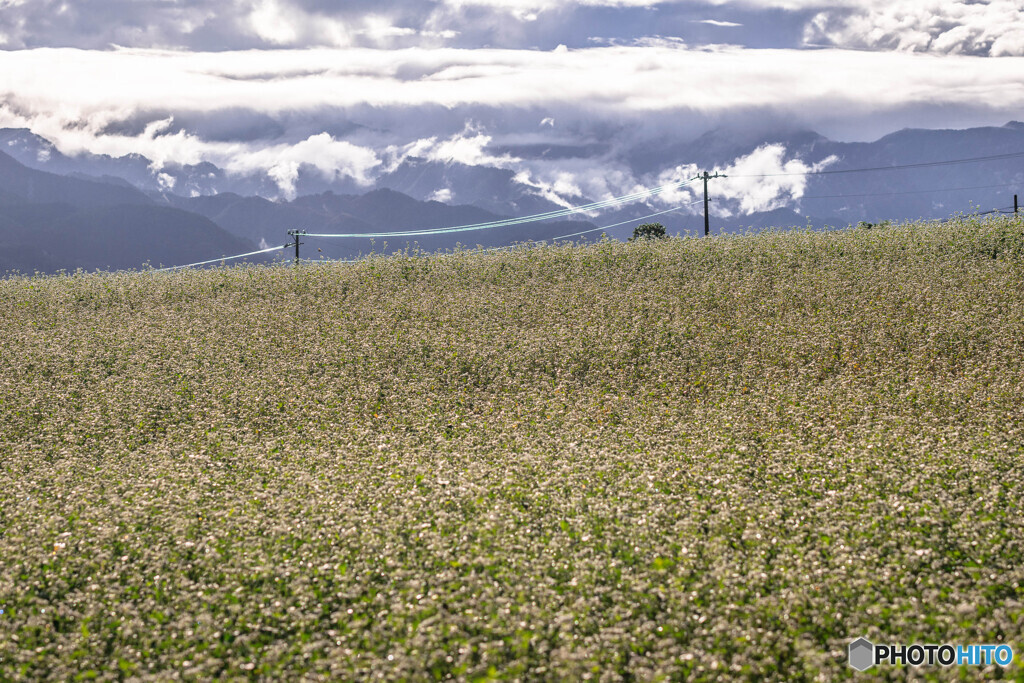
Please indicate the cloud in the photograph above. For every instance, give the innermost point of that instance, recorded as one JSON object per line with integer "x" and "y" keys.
{"x": 357, "y": 112}
{"x": 332, "y": 159}
{"x": 349, "y": 90}
{"x": 444, "y": 195}
{"x": 468, "y": 148}
{"x": 271, "y": 23}
{"x": 218, "y": 25}
{"x": 977, "y": 27}
{"x": 76, "y": 90}
{"x": 715, "y": 22}
{"x": 994, "y": 28}
{"x": 560, "y": 190}
{"x": 761, "y": 181}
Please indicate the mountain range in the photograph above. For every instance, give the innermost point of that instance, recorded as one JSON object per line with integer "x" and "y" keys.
{"x": 91, "y": 211}
{"x": 51, "y": 222}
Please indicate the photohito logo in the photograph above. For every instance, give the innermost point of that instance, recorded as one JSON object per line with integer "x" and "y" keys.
{"x": 863, "y": 654}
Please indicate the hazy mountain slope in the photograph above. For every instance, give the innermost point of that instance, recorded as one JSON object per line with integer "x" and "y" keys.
{"x": 52, "y": 222}
{"x": 40, "y": 186}
{"x": 266, "y": 222}
{"x": 54, "y": 237}
{"x": 838, "y": 198}
{"x": 491, "y": 189}
{"x": 204, "y": 178}
{"x": 930, "y": 191}
{"x": 255, "y": 219}
{"x": 391, "y": 210}
{"x": 475, "y": 194}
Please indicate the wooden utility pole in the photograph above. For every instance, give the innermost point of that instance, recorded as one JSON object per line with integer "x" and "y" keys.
{"x": 706, "y": 177}
{"x": 295, "y": 235}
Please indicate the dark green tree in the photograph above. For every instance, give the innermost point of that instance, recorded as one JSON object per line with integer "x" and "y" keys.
{"x": 648, "y": 231}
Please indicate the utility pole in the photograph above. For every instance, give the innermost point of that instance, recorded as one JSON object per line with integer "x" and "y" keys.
{"x": 706, "y": 177}
{"x": 1015, "y": 209}
{"x": 295, "y": 235}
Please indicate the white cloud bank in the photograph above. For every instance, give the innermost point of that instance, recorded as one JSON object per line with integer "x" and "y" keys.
{"x": 398, "y": 102}
{"x": 77, "y": 89}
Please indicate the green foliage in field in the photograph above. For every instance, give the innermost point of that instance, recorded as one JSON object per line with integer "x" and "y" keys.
{"x": 648, "y": 231}
{"x": 663, "y": 459}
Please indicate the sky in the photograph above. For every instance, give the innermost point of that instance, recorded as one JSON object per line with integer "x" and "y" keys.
{"x": 351, "y": 89}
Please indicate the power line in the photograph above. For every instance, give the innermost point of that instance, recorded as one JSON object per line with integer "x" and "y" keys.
{"x": 225, "y": 258}
{"x": 625, "y": 199}
{"x": 1004, "y": 210}
{"x": 584, "y": 232}
{"x": 898, "y": 167}
{"x": 707, "y": 218}
{"x": 896, "y": 194}
{"x": 616, "y": 225}
{"x": 651, "y": 192}
{"x": 527, "y": 219}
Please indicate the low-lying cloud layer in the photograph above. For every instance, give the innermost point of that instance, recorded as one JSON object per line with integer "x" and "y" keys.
{"x": 355, "y": 113}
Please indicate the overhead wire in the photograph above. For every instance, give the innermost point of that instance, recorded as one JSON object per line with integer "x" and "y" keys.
{"x": 1004, "y": 210}
{"x": 535, "y": 218}
{"x": 584, "y": 232}
{"x": 635, "y": 196}
{"x": 907, "y": 192}
{"x": 896, "y": 167}
{"x": 616, "y": 225}
{"x": 480, "y": 226}
{"x": 559, "y": 237}
{"x": 226, "y": 258}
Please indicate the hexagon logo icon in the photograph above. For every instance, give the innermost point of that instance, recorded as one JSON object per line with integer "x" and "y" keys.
{"x": 862, "y": 654}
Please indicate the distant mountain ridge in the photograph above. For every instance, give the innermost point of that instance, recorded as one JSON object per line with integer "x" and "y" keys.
{"x": 266, "y": 222}
{"x": 837, "y": 199}
{"x": 47, "y": 196}
{"x": 51, "y": 222}
{"x": 40, "y": 186}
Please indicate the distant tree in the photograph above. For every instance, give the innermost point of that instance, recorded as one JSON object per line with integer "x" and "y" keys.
{"x": 867, "y": 226}
{"x": 648, "y": 231}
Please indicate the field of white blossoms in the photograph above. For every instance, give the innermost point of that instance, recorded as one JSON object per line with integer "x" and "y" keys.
{"x": 685, "y": 459}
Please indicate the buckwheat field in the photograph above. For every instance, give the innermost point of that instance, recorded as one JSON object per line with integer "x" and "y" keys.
{"x": 665, "y": 460}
